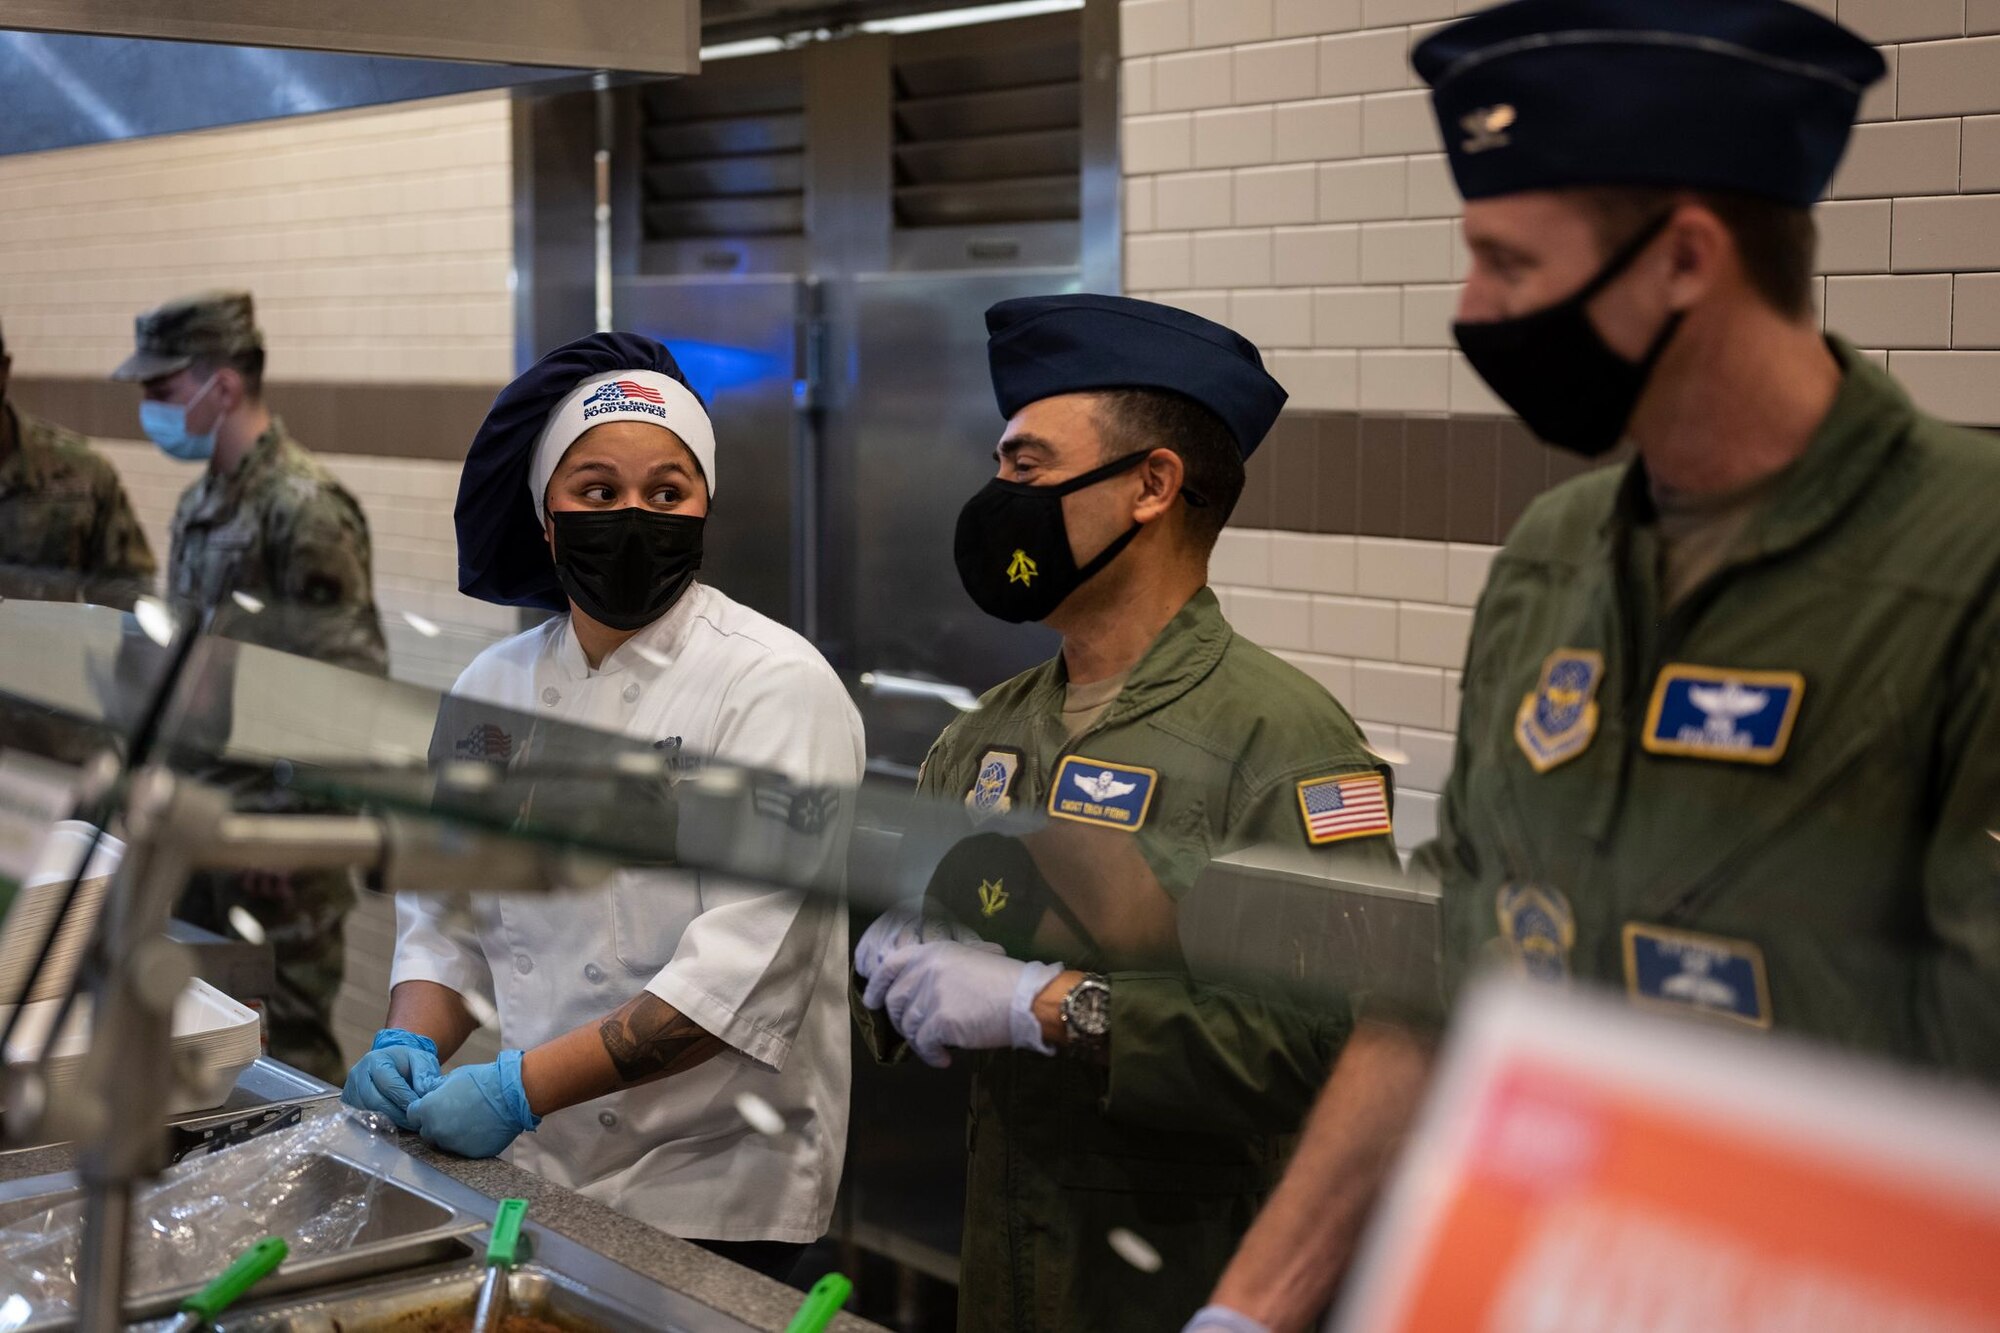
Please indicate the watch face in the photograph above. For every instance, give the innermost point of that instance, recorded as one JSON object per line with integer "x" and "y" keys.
{"x": 1090, "y": 1009}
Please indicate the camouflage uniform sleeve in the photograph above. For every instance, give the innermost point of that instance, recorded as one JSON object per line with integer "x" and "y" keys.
{"x": 118, "y": 545}
{"x": 319, "y": 553}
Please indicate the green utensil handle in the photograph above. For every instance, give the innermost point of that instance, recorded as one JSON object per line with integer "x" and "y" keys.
{"x": 251, "y": 1267}
{"x": 506, "y": 1233}
{"x": 823, "y": 1302}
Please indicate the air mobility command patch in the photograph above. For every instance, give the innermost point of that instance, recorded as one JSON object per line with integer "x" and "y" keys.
{"x": 1091, "y": 791}
{"x": 1539, "y": 929}
{"x": 1559, "y": 717}
{"x": 1682, "y": 971}
{"x": 1739, "y": 717}
{"x": 992, "y": 790}
{"x": 1352, "y": 805}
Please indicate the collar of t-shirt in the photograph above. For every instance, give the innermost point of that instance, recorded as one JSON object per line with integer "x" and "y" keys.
{"x": 1083, "y": 705}
{"x": 1700, "y": 533}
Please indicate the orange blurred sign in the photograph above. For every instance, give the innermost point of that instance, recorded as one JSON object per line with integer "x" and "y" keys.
{"x": 1581, "y": 1168}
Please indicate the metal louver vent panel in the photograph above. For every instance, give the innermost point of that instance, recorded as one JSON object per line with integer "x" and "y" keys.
{"x": 724, "y": 155}
{"x": 988, "y": 132}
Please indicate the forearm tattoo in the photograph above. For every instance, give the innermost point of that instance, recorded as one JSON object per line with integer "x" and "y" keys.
{"x": 648, "y": 1038}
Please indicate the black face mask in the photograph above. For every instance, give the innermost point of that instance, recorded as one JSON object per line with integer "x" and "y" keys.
{"x": 1012, "y": 546}
{"x": 624, "y": 567}
{"x": 1555, "y": 370}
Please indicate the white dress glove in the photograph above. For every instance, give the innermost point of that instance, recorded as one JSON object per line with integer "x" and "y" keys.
{"x": 1222, "y": 1319}
{"x": 946, "y": 994}
{"x": 917, "y": 921}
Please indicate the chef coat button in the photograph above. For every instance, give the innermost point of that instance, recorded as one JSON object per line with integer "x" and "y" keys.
{"x": 608, "y": 1119}
{"x": 523, "y": 964}
{"x": 592, "y": 972}
{"x": 551, "y": 696}
{"x": 632, "y": 693}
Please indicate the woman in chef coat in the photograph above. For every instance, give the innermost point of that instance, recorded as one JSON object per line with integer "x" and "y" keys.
{"x": 635, "y": 1016}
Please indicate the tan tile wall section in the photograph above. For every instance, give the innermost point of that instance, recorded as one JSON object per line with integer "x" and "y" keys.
{"x": 378, "y": 245}
{"x": 1284, "y": 176}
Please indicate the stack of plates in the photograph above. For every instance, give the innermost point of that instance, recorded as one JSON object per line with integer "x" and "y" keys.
{"x": 37, "y": 902}
{"x": 215, "y": 1039}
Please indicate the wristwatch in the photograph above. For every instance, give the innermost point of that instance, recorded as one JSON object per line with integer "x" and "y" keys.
{"x": 1086, "y": 1013}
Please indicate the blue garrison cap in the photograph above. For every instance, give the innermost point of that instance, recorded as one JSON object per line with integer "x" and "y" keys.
{"x": 1040, "y": 346}
{"x": 1754, "y": 97}
{"x": 502, "y": 554}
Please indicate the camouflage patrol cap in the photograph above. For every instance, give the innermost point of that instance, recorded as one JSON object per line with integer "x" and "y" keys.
{"x": 208, "y": 326}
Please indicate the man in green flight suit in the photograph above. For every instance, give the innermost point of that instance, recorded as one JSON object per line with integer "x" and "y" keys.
{"x": 1113, "y": 1089}
{"x": 1730, "y": 738}
{"x": 66, "y": 527}
{"x": 268, "y": 548}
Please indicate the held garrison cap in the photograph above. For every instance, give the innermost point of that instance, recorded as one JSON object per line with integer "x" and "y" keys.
{"x": 503, "y": 556}
{"x": 1754, "y": 97}
{"x": 1041, "y": 346}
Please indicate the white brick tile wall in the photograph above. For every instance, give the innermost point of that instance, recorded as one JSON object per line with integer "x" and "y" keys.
{"x": 1312, "y": 562}
{"x": 1354, "y": 627}
{"x": 378, "y": 247}
{"x": 1302, "y": 18}
{"x": 1277, "y": 71}
{"x": 1975, "y": 311}
{"x": 1227, "y": 226}
{"x": 1313, "y": 256}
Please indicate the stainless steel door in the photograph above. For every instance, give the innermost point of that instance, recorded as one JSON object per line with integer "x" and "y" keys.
{"x": 735, "y": 340}
{"x": 916, "y": 427}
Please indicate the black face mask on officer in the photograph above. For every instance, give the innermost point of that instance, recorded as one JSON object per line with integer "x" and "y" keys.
{"x": 624, "y": 567}
{"x": 1556, "y": 371}
{"x": 1013, "y": 550}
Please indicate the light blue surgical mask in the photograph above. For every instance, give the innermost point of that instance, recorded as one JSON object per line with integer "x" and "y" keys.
{"x": 165, "y": 424}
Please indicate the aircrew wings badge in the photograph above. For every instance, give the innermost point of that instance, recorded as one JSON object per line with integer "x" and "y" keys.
{"x": 1558, "y": 717}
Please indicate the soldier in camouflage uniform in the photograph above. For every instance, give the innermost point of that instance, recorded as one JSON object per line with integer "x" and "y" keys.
{"x": 66, "y": 527}
{"x": 274, "y": 551}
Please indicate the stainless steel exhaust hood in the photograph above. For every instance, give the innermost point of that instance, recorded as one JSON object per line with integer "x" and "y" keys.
{"x": 81, "y": 71}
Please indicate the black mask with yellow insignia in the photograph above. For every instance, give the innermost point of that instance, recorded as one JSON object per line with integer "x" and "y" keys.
{"x": 1013, "y": 549}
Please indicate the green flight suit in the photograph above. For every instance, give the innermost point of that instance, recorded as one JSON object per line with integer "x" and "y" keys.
{"x": 1181, "y": 1134}
{"x": 1855, "y": 852}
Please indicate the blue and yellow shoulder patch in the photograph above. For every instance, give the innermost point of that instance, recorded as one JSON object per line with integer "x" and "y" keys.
{"x": 1739, "y": 717}
{"x": 1558, "y": 717}
{"x": 1092, "y": 791}
{"x": 1538, "y": 929}
{"x": 992, "y": 790}
{"x": 1682, "y": 971}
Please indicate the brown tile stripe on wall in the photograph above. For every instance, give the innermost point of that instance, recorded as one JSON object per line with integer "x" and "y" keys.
{"x": 384, "y": 420}
{"x": 1434, "y": 478}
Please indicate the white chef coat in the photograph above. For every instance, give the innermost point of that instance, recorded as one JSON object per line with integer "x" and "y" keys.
{"x": 761, "y": 968}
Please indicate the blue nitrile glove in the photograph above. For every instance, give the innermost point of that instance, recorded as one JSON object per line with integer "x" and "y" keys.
{"x": 944, "y": 994}
{"x": 477, "y": 1111}
{"x": 1222, "y": 1319}
{"x": 399, "y": 1068}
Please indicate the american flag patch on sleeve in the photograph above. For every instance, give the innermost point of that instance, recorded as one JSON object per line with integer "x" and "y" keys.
{"x": 1338, "y": 808}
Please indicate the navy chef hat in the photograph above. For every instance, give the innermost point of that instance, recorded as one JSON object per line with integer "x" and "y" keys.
{"x": 1755, "y": 97}
{"x": 502, "y": 554}
{"x": 1041, "y": 346}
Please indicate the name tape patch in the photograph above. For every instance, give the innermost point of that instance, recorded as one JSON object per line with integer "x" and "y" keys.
{"x": 1092, "y": 791}
{"x": 1738, "y": 717}
{"x": 1351, "y": 805}
{"x": 1685, "y": 972}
